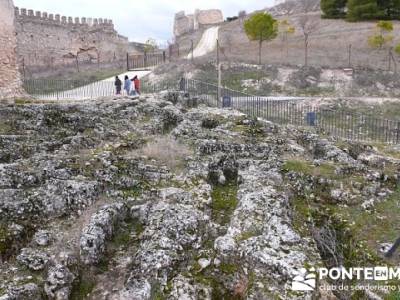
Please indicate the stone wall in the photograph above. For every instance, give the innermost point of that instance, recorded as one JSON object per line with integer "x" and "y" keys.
{"x": 187, "y": 23}
{"x": 10, "y": 83}
{"x": 207, "y": 17}
{"x": 46, "y": 40}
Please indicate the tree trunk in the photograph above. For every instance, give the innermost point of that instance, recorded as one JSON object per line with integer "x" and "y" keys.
{"x": 287, "y": 48}
{"x": 306, "y": 52}
{"x": 77, "y": 63}
{"x": 259, "y": 52}
{"x": 394, "y": 62}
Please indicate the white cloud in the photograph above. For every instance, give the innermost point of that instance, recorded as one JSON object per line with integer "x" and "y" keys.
{"x": 140, "y": 19}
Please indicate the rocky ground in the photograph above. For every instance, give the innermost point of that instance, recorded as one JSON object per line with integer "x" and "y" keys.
{"x": 153, "y": 199}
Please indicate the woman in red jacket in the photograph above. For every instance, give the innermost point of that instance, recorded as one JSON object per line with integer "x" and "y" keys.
{"x": 136, "y": 81}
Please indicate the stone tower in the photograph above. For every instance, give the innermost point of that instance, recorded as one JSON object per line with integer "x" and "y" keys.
{"x": 10, "y": 79}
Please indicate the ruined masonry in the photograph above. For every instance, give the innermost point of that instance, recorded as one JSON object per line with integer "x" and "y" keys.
{"x": 10, "y": 82}
{"x": 187, "y": 23}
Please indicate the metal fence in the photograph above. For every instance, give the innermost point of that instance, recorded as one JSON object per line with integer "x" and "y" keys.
{"x": 44, "y": 89}
{"x": 144, "y": 61}
{"x": 339, "y": 123}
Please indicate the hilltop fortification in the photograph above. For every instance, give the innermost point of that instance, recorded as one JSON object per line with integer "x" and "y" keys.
{"x": 187, "y": 23}
{"x": 46, "y": 40}
{"x": 10, "y": 82}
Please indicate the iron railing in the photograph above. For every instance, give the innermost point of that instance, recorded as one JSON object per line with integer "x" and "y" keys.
{"x": 339, "y": 123}
{"x": 44, "y": 89}
{"x": 144, "y": 61}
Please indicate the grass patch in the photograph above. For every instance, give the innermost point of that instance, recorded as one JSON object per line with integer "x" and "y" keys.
{"x": 5, "y": 128}
{"x": 354, "y": 249}
{"x": 133, "y": 192}
{"x": 393, "y": 296}
{"x": 218, "y": 291}
{"x": 316, "y": 91}
{"x": 246, "y": 235}
{"x": 254, "y": 130}
{"x": 157, "y": 293}
{"x": 306, "y": 168}
{"x": 382, "y": 225}
{"x": 123, "y": 238}
{"x": 224, "y": 202}
{"x": 20, "y": 101}
{"x": 358, "y": 231}
{"x": 167, "y": 151}
{"x": 387, "y": 150}
{"x": 4, "y": 240}
{"x": 301, "y": 216}
{"x": 103, "y": 265}
{"x": 83, "y": 286}
{"x": 228, "y": 268}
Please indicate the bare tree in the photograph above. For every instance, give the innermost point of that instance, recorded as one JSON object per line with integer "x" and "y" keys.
{"x": 307, "y": 24}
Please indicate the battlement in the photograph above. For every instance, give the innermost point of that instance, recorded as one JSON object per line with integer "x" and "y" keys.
{"x": 24, "y": 14}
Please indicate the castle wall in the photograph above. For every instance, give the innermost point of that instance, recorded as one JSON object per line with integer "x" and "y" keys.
{"x": 48, "y": 40}
{"x": 208, "y": 17}
{"x": 187, "y": 23}
{"x": 10, "y": 83}
{"x": 183, "y": 23}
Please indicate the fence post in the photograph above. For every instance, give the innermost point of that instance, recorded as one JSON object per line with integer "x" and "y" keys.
{"x": 219, "y": 74}
{"x": 191, "y": 50}
{"x": 23, "y": 67}
{"x": 127, "y": 61}
{"x": 398, "y": 132}
{"x": 350, "y": 56}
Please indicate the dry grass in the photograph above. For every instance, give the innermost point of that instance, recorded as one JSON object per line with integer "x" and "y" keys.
{"x": 167, "y": 151}
{"x": 240, "y": 288}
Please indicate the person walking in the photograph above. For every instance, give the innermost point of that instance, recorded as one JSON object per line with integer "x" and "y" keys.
{"x": 136, "y": 81}
{"x": 118, "y": 85}
{"x": 127, "y": 85}
{"x": 133, "y": 91}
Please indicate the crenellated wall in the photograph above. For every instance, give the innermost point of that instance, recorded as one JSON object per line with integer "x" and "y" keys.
{"x": 46, "y": 40}
{"x": 24, "y": 14}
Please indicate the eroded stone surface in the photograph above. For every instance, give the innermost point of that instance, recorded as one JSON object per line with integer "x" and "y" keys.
{"x": 83, "y": 198}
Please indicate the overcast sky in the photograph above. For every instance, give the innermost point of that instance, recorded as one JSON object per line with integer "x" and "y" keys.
{"x": 140, "y": 19}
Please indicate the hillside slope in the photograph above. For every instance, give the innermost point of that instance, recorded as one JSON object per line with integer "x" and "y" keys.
{"x": 329, "y": 44}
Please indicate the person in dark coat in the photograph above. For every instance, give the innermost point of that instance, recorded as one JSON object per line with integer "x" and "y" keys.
{"x": 118, "y": 85}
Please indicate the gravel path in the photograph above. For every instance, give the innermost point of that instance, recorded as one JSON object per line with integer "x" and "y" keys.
{"x": 207, "y": 43}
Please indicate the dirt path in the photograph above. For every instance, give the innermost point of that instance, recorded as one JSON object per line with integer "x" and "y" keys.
{"x": 207, "y": 43}
{"x": 93, "y": 90}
